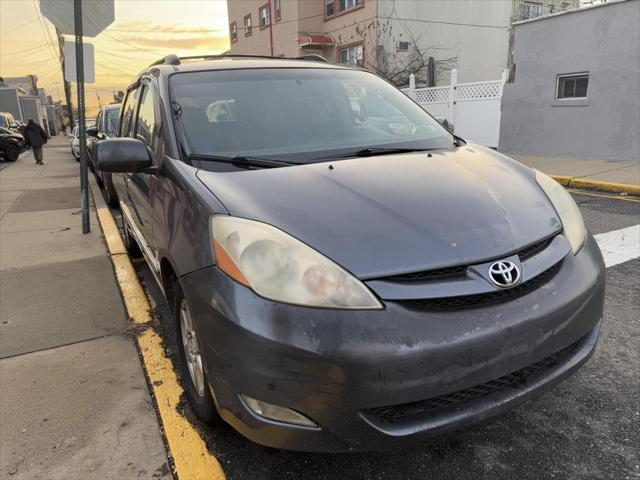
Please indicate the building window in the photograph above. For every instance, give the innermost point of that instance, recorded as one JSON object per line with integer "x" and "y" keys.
{"x": 277, "y": 15}
{"x": 572, "y": 86}
{"x": 247, "y": 25}
{"x": 531, "y": 10}
{"x": 403, "y": 46}
{"x": 342, "y": 6}
{"x": 349, "y": 4}
{"x": 351, "y": 55}
{"x": 329, "y": 11}
{"x": 263, "y": 14}
{"x": 233, "y": 28}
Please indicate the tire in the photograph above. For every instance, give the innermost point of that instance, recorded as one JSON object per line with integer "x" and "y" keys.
{"x": 129, "y": 242}
{"x": 11, "y": 152}
{"x": 199, "y": 397}
{"x": 110, "y": 194}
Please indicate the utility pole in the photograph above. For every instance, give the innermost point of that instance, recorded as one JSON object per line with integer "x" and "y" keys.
{"x": 67, "y": 85}
{"x": 82, "y": 127}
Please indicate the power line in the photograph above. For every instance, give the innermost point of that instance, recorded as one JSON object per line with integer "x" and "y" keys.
{"x": 43, "y": 29}
{"x": 130, "y": 45}
{"x": 13, "y": 52}
{"x": 18, "y": 28}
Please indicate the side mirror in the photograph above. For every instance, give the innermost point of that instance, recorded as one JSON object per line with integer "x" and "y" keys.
{"x": 122, "y": 155}
{"x": 92, "y": 132}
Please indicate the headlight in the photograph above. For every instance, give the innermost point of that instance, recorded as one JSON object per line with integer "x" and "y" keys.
{"x": 568, "y": 211}
{"x": 279, "y": 267}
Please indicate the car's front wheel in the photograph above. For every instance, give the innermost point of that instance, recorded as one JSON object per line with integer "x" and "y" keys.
{"x": 11, "y": 152}
{"x": 192, "y": 371}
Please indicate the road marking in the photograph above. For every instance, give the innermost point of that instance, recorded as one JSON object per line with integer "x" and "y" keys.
{"x": 619, "y": 246}
{"x": 191, "y": 457}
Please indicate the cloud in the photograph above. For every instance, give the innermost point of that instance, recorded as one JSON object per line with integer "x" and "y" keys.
{"x": 150, "y": 27}
{"x": 194, "y": 42}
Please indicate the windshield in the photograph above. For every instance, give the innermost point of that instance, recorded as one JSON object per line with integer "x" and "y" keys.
{"x": 298, "y": 114}
{"x": 111, "y": 121}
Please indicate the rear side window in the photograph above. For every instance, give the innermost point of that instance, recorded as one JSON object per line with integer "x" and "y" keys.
{"x": 146, "y": 124}
{"x": 128, "y": 111}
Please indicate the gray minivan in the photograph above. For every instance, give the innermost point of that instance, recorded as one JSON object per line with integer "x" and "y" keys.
{"x": 340, "y": 284}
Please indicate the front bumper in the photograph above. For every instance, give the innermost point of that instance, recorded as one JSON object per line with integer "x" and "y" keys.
{"x": 364, "y": 376}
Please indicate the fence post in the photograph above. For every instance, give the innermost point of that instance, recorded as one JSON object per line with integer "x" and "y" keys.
{"x": 453, "y": 95}
{"x": 412, "y": 86}
{"x": 503, "y": 80}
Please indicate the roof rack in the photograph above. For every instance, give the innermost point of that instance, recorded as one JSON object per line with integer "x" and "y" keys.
{"x": 173, "y": 59}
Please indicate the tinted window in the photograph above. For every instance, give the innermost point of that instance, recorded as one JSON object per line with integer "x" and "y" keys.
{"x": 128, "y": 112}
{"x": 146, "y": 124}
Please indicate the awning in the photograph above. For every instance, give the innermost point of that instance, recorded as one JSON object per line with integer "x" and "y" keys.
{"x": 318, "y": 41}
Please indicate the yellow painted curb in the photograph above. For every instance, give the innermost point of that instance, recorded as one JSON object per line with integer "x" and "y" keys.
{"x": 588, "y": 184}
{"x": 605, "y": 186}
{"x": 562, "y": 180}
{"x": 191, "y": 457}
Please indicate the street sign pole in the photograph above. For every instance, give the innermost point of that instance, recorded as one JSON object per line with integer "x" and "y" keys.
{"x": 82, "y": 127}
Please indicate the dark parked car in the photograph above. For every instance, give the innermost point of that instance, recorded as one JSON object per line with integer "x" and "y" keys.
{"x": 337, "y": 287}
{"x": 12, "y": 144}
{"x": 105, "y": 127}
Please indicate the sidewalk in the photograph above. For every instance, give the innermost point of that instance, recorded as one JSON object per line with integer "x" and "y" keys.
{"x": 74, "y": 401}
{"x": 588, "y": 169}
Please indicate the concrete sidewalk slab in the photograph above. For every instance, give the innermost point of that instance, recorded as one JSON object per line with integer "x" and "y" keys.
{"x": 15, "y": 184}
{"x": 42, "y": 247}
{"x": 43, "y": 220}
{"x": 79, "y": 412}
{"x": 7, "y": 199}
{"x": 59, "y": 181}
{"x": 35, "y": 318}
{"x": 48, "y": 199}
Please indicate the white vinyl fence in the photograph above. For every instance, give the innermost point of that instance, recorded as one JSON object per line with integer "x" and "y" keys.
{"x": 472, "y": 108}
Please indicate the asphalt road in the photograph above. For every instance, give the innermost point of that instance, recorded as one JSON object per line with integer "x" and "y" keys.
{"x": 586, "y": 428}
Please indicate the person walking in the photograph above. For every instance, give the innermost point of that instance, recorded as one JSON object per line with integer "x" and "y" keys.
{"x": 35, "y": 137}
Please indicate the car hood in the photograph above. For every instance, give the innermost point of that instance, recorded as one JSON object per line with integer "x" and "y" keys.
{"x": 393, "y": 214}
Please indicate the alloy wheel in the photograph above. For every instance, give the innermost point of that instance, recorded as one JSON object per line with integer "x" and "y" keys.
{"x": 191, "y": 348}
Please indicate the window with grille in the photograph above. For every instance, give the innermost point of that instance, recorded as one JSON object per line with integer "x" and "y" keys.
{"x": 247, "y": 25}
{"x": 263, "y": 13}
{"x": 403, "y": 46}
{"x": 352, "y": 55}
{"x": 572, "y": 86}
{"x": 233, "y": 28}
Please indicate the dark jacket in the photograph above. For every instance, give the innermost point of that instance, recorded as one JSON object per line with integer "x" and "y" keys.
{"x": 34, "y": 135}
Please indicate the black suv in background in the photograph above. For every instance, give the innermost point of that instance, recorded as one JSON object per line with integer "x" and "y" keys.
{"x": 345, "y": 273}
{"x": 106, "y": 127}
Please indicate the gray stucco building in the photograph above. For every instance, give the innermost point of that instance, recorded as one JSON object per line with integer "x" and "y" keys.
{"x": 576, "y": 91}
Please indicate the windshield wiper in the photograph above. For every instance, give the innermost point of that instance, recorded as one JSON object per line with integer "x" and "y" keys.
{"x": 372, "y": 151}
{"x": 242, "y": 160}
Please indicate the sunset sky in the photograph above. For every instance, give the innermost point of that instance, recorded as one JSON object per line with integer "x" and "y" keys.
{"x": 143, "y": 31}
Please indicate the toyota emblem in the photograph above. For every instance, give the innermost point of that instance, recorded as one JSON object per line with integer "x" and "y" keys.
{"x": 504, "y": 273}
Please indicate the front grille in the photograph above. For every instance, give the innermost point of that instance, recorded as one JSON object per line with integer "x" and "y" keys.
{"x": 436, "y": 274}
{"x": 534, "y": 249}
{"x": 479, "y": 300}
{"x": 461, "y": 270}
{"x": 461, "y": 397}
